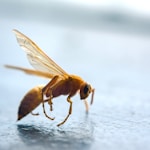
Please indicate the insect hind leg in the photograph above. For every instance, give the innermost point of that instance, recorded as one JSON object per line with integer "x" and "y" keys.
{"x": 44, "y": 111}
{"x": 47, "y": 91}
{"x": 34, "y": 114}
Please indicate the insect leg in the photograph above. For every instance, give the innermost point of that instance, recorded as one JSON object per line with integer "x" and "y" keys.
{"x": 49, "y": 100}
{"x": 34, "y": 114}
{"x": 51, "y": 104}
{"x": 45, "y": 111}
{"x": 46, "y": 90}
{"x": 69, "y": 113}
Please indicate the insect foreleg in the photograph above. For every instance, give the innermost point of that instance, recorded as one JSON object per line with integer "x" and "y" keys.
{"x": 69, "y": 113}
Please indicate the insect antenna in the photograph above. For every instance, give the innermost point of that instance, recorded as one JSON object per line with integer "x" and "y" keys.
{"x": 92, "y": 96}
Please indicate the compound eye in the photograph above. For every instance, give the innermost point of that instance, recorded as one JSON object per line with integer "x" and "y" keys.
{"x": 86, "y": 89}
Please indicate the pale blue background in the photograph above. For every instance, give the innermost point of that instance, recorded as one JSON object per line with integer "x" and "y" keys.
{"x": 110, "y": 49}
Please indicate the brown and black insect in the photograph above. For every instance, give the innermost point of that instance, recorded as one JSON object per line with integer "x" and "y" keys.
{"x": 61, "y": 83}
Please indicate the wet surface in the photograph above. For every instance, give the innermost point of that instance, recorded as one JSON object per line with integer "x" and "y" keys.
{"x": 117, "y": 65}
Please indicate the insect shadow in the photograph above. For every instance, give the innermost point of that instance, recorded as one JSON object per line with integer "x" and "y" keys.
{"x": 56, "y": 138}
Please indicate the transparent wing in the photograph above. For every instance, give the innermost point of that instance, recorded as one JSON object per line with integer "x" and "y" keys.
{"x": 37, "y": 58}
{"x": 30, "y": 71}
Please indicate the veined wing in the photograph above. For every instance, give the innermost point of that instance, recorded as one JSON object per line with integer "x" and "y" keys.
{"x": 31, "y": 71}
{"x": 37, "y": 58}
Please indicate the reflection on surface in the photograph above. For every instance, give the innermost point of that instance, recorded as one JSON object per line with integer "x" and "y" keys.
{"x": 47, "y": 137}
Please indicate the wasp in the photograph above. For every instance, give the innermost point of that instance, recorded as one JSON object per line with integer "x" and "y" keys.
{"x": 61, "y": 83}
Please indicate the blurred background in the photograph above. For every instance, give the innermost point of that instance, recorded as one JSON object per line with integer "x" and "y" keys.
{"x": 105, "y": 42}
